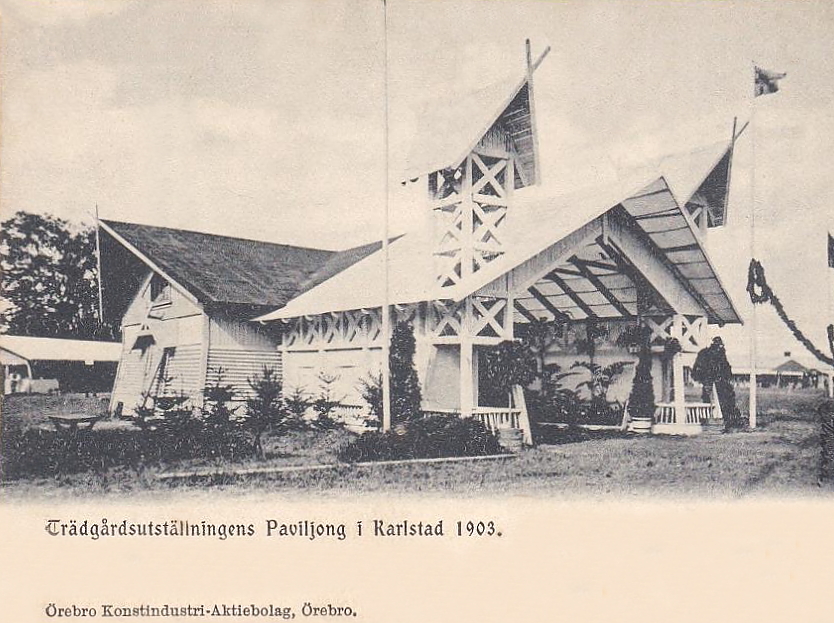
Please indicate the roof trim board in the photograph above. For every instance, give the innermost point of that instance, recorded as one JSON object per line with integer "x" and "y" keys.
{"x": 566, "y": 222}
{"x": 424, "y": 169}
{"x": 150, "y": 263}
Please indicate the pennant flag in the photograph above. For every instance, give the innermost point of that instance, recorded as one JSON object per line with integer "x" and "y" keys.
{"x": 830, "y": 251}
{"x": 766, "y": 81}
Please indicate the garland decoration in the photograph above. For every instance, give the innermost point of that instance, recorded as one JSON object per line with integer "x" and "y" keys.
{"x": 760, "y": 292}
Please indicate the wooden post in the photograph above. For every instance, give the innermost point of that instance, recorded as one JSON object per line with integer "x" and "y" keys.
{"x": 98, "y": 273}
{"x": 754, "y": 317}
{"x": 530, "y": 68}
{"x": 467, "y": 394}
{"x": 680, "y": 397}
{"x": 386, "y": 318}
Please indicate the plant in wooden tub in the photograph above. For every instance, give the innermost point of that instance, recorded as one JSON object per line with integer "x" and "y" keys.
{"x": 641, "y": 398}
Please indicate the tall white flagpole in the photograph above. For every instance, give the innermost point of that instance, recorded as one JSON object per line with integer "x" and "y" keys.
{"x": 98, "y": 272}
{"x": 386, "y": 307}
{"x": 830, "y": 294}
{"x": 754, "y": 318}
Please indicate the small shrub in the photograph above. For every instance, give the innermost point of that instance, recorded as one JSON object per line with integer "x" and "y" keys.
{"x": 265, "y": 410}
{"x": 431, "y": 437}
{"x": 371, "y": 391}
{"x": 222, "y": 434}
{"x": 326, "y": 403}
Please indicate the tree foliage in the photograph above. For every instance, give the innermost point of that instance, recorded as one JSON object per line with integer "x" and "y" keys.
{"x": 50, "y": 279}
{"x": 507, "y": 364}
{"x": 265, "y": 408}
{"x": 406, "y": 396}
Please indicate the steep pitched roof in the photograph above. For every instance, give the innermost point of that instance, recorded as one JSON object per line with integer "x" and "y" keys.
{"x": 338, "y": 262}
{"x": 540, "y": 218}
{"x": 221, "y": 269}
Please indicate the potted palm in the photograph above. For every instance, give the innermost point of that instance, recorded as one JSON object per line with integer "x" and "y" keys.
{"x": 641, "y": 399}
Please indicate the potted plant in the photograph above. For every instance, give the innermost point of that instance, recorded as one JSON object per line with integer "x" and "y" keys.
{"x": 641, "y": 399}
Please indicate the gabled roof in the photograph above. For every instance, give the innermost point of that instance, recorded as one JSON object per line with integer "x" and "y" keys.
{"x": 688, "y": 179}
{"x": 221, "y": 269}
{"x": 537, "y": 220}
{"x": 56, "y": 349}
{"x": 450, "y": 127}
{"x": 791, "y": 366}
{"x": 338, "y": 262}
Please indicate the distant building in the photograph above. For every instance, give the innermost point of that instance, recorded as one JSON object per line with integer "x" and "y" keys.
{"x": 787, "y": 374}
{"x": 38, "y": 365}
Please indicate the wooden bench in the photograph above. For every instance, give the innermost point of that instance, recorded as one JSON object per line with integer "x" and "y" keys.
{"x": 73, "y": 423}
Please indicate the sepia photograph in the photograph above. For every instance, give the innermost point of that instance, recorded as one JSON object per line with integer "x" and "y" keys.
{"x": 456, "y": 273}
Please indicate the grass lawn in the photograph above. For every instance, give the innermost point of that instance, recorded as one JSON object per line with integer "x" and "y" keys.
{"x": 779, "y": 458}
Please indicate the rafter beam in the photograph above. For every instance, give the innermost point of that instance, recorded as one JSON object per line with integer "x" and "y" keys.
{"x": 630, "y": 228}
{"x": 574, "y": 296}
{"x": 524, "y": 311}
{"x": 541, "y": 298}
{"x": 567, "y": 271}
{"x": 684, "y": 247}
{"x": 594, "y": 264}
{"x": 597, "y": 283}
{"x": 631, "y": 271}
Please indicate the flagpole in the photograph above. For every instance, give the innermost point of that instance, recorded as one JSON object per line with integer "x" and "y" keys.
{"x": 754, "y": 318}
{"x": 829, "y": 254}
{"x": 386, "y": 307}
{"x": 98, "y": 272}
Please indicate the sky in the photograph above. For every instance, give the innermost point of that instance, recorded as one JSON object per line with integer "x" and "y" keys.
{"x": 268, "y": 120}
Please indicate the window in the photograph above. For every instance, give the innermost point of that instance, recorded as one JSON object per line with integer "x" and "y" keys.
{"x": 160, "y": 290}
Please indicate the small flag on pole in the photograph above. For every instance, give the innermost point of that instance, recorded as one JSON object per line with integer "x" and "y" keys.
{"x": 766, "y": 81}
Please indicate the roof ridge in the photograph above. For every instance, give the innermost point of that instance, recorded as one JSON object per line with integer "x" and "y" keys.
{"x": 223, "y": 236}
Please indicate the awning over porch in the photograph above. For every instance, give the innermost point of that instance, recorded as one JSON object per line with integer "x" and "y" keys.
{"x": 597, "y": 245}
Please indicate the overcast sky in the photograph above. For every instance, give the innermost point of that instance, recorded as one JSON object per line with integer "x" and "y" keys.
{"x": 267, "y": 119}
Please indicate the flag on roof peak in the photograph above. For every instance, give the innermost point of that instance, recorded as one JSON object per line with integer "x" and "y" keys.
{"x": 766, "y": 81}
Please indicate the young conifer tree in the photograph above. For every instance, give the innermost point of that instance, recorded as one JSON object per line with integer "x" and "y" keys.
{"x": 406, "y": 397}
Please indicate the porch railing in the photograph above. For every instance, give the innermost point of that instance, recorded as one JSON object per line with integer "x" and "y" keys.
{"x": 694, "y": 413}
{"x": 493, "y": 418}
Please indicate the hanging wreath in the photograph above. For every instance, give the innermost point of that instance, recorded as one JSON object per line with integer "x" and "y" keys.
{"x": 760, "y": 292}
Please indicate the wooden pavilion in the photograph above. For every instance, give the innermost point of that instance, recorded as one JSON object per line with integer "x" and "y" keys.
{"x": 497, "y": 252}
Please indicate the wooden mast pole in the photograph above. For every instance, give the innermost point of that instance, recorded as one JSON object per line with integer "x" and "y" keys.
{"x": 530, "y": 69}
{"x": 98, "y": 272}
{"x": 386, "y": 308}
{"x": 754, "y": 317}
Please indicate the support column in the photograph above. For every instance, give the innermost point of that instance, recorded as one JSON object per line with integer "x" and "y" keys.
{"x": 679, "y": 388}
{"x": 467, "y": 394}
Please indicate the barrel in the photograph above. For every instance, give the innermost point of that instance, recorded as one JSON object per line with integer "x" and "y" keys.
{"x": 511, "y": 439}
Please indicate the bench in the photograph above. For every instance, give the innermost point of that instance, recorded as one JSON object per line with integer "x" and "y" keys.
{"x": 71, "y": 424}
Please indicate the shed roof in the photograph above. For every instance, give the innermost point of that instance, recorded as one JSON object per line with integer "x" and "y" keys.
{"x": 538, "y": 219}
{"x": 221, "y": 269}
{"x": 56, "y": 349}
